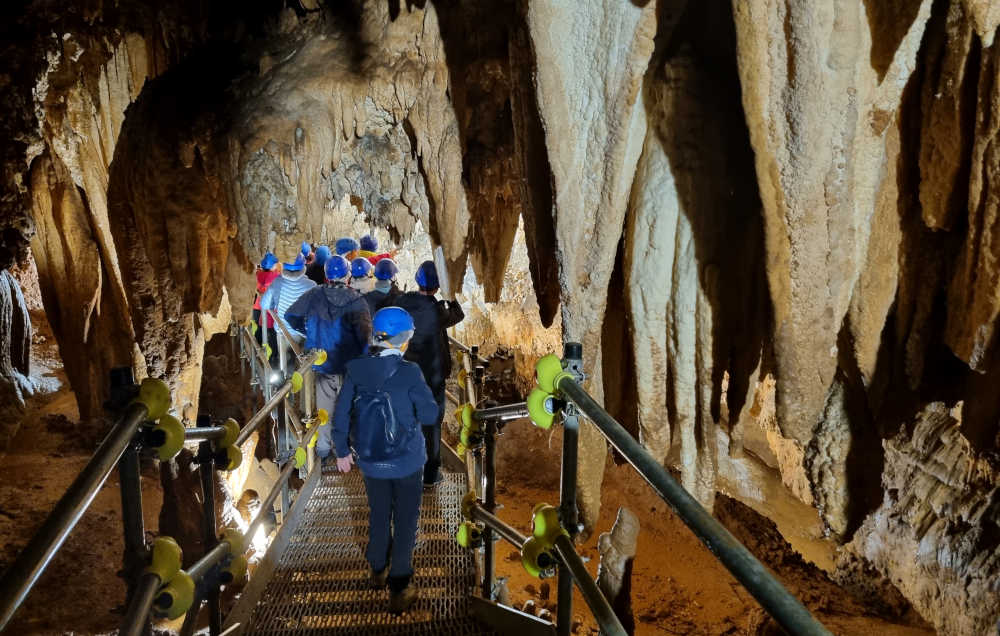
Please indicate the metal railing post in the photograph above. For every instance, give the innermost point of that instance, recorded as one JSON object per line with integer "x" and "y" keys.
{"x": 568, "y": 512}
{"x": 209, "y": 532}
{"x": 130, "y": 487}
{"x": 490, "y": 503}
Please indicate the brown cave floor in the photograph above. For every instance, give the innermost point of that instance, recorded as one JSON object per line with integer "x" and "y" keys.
{"x": 78, "y": 591}
{"x": 678, "y": 586}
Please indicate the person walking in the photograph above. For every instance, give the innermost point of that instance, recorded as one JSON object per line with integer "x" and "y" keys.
{"x": 267, "y": 271}
{"x": 316, "y": 271}
{"x": 384, "y": 402}
{"x": 385, "y": 285}
{"x": 334, "y": 318}
{"x": 347, "y": 247}
{"x": 307, "y": 252}
{"x": 369, "y": 245}
{"x": 361, "y": 275}
{"x": 282, "y": 293}
{"x": 429, "y": 349}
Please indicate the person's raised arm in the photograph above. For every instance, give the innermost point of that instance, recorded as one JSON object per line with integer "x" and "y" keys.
{"x": 450, "y": 313}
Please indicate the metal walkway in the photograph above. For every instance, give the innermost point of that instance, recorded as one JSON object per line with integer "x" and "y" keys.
{"x": 321, "y": 584}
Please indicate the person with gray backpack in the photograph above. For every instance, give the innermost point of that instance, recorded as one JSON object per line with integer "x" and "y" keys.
{"x": 382, "y": 405}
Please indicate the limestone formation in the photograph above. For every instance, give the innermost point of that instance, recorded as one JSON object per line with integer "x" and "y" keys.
{"x": 817, "y": 109}
{"x": 614, "y": 575}
{"x": 935, "y": 533}
{"x": 588, "y": 90}
{"x": 15, "y": 385}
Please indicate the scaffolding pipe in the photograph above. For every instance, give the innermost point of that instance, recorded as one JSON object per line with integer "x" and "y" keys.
{"x": 272, "y": 403}
{"x": 505, "y": 531}
{"x": 24, "y": 572}
{"x": 503, "y": 413}
{"x": 599, "y": 605}
{"x": 136, "y": 617}
{"x": 787, "y": 610}
{"x": 203, "y": 434}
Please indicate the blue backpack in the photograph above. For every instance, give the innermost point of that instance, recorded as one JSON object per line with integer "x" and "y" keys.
{"x": 376, "y": 435}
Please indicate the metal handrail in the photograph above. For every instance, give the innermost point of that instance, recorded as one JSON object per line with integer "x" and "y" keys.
{"x": 22, "y": 575}
{"x": 787, "y": 610}
{"x": 296, "y": 347}
{"x": 258, "y": 417}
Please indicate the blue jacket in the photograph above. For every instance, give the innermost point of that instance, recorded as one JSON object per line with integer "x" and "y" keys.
{"x": 334, "y": 318}
{"x": 412, "y": 402}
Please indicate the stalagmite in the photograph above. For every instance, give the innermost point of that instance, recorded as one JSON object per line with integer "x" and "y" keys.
{"x": 614, "y": 575}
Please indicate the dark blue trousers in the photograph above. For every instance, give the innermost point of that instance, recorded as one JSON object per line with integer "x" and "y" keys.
{"x": 432, "y": 441}
{"x": 394, "y": 513}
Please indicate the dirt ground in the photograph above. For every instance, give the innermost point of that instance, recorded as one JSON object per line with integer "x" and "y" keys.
{"x": 80, "y": 588}
{"x": 678, "y": 586}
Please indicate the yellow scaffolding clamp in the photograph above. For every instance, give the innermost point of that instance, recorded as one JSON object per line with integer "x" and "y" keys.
{"x": 543, "y": 404}
{"x": 470, "y": 433}
{"x": 167, "y": 437}
{"x": 176, "y": 594}
{"x": 538, "y": 552}
{"x": 469, "y": 534}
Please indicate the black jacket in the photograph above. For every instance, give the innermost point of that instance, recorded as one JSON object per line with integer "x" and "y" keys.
{"x": 429, "y": 346}
{"x": 377, "y": 299}
{"x": 316, "y": 272}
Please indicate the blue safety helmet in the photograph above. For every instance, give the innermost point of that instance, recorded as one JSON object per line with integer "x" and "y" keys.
{"x": 369, "y": 243}
{"x": 297, "y": 265}
{"x": 322, "y": 253}
{"x": 307, "y": 248}
{"x": 392, "y": 324}
{"x": 386, "y": 269}
{"x": 361, "y": 267}
{"x": 346, "y": 246}
{"x": 427, "y": 276}
{"x": 336, "y": 267}
{"x": 269, "y": 261}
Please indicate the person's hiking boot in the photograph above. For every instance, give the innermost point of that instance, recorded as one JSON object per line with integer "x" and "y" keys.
{"x": 401, "y": 601}
{"x": 432, "y": 484}
{"x": 379, "y": 578}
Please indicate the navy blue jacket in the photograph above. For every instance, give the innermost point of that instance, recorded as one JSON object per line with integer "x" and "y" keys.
{"x": 412, "y": 402}
{"x": 334, "y": 318}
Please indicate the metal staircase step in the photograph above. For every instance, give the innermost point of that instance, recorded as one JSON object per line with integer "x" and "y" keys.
{"x": 322, "y": 584}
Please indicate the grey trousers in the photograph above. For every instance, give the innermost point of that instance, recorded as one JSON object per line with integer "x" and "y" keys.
{"x": 327, "y": 390}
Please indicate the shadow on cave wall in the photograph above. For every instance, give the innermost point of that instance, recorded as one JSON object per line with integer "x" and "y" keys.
{"x": 693, "y": 97}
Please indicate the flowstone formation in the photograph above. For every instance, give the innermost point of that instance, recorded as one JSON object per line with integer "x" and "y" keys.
{"x": 771, "y": 223}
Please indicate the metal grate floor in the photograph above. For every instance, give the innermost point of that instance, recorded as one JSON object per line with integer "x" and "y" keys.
{"x": 322, "y": 586}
